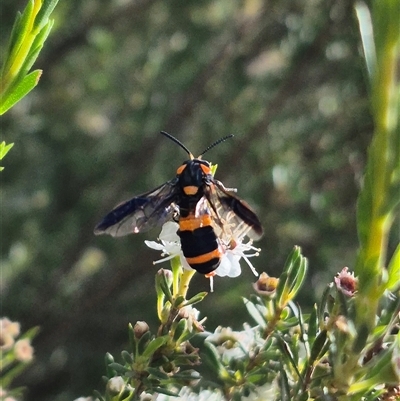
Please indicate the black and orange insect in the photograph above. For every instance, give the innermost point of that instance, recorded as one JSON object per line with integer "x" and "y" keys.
{"x": 197, "y": 201}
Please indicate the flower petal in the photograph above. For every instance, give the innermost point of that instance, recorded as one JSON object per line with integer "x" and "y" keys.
{"x": 169, "y": 232}
{"x": 154, "y": 245}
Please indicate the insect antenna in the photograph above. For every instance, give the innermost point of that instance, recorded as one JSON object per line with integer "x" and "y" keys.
{"x": 216, "y": 143}
{"x": 177, "y": 141}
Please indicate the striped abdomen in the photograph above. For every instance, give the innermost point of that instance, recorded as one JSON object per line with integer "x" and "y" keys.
{"x": 199, "y": 243}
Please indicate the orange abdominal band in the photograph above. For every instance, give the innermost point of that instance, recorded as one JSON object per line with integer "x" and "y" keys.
{"x": 204, "y": 258}
{"x": 191, "y": 223}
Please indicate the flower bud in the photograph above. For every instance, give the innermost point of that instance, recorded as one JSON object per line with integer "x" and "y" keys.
{"x": 115, "y": 385}
{"x": 140, "y": 328}
{"x": 346, "y": 282}
{"x": 23, "y": 350}
{"x": 266, "y": 285}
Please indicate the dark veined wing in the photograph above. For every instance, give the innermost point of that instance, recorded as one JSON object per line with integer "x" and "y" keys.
{"x": 141, "y": 213}
{"x": 232, "y": 211}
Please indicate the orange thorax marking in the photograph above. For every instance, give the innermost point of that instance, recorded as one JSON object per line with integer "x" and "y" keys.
{"x": 190, "y": 190}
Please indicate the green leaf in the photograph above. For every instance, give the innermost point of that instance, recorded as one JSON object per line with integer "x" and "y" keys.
{"x": 312, "y": 325}
{"x": 18, "y": 34}
{"x": 196, "y": 299}
{"x": 394, "y": 271}
{"x": 4, "y": 150}
{"x": 127, "y": 357}
{"x": 181, "y": 327}
{"x": 213, "y": 359}
{"x": 165, "y": 391}
{"x": 255, "y": 313}
{"x": 22, "y": 89}
{"x": 318, "y": 346}
{"x": 367, "y": 37}
{"x": 15, "y": 32}
{"x": 35, "y": 49}
{"x": 287, "y": 352}
{"x": 281, "y": 289}
{"x": 158, "y": 374}
{"x": 154, "y": 345}
{"x": 296, "y": 280}
{"x": 118, "y": 368}
{"x": 324, "y": 301}
{"x": 142, "y": 342}
{"x": 44, "y": 13}
{"x": 178, "y": 301}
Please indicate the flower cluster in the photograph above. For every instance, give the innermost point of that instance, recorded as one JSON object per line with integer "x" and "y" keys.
{"x": 9, "y": 331}
{"x": 13, "y": 351}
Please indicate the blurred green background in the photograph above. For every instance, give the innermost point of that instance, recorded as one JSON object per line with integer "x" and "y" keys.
{"x": 285, "y": 77}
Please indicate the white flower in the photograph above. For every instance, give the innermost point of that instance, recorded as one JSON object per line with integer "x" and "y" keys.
{"x": 234, "y": 344}
{"x": 23, "y": 350}
{"x": 170, "y": 244}
{"x": 186, "y": 394}
{"x": 8, "y": 327}
{"x": 84, "y": 399}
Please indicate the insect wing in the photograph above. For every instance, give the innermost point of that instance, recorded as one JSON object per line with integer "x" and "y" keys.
{"x": 233, "y": 211}
{"x": 141, "y": 213}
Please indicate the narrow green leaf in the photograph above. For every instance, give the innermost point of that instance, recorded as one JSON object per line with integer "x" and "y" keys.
{"x": 165, "y": 391}
{"x": 13, "y": 373}
{"x": 118, "y": 368}
{"x": 367, "y": 37}
{"x": 154, "y": 345}
{"x": 255, "y": 313}
{"x": 44, "y": 13}
{"x": 13, "y": 38}
{"x": 142, "y": 342}
{"x": 35, "y": 49}
{"x": 281, "y": 290}
{"x": 28, "y": 63}
{"x": 323, "y": 303}
{"x": 196, "y": 299}
{"x": 31, "y": 333}
{"x": 299, "y": 277}
{"x": 18, "y": 33}
{"x": 4, "y": 148}
{"x": 284, "y": 385}
{"x": 178, "y": 301}
{"x": 318, "y": 346}
{"x": 164, "y": 284}
{"x": 132, "y": 339}
{"x": 312, "y": 325}
{"x": 181, "y": 327}
{"x": 157, "y": 374}
{"x": 287, "y": 352}
{"x": 213, "y": 359}
{"x": 393, "y": 282}
{"x": 127, "y": 357}
{"x": 42, "y": 35}
{"x": 22, "y": 89}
